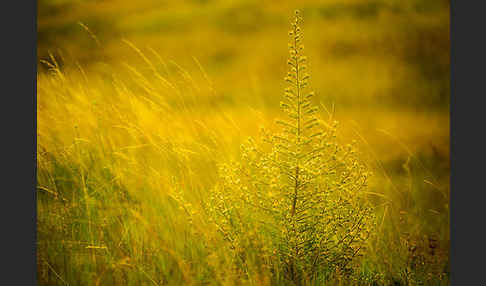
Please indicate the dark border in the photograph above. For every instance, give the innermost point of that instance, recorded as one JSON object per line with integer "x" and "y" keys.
{"x": 468, "y": 169}
{"x": 18, "y": 212}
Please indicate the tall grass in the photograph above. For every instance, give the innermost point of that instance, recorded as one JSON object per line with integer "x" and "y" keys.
{"x": 128, "y": 159}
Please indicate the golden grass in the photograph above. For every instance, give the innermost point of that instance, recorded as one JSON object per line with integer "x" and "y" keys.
{"x": 148, "y": 118}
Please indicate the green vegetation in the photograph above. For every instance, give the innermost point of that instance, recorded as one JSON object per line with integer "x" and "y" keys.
{"x": 132, "y": 131}
{"x": 299, "y": 203}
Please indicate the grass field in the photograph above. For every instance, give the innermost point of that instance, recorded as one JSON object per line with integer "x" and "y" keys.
{"x": 139, "y": 103}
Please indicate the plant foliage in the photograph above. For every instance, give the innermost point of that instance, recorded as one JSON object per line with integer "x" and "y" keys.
{"x": 297, "y": 196}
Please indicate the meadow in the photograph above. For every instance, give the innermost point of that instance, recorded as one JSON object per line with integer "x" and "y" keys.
{"x": 140, "y": 104}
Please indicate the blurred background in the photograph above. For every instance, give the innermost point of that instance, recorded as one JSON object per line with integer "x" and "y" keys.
{"x": 361, "y": 51}
{"x": 368, "y": 57}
